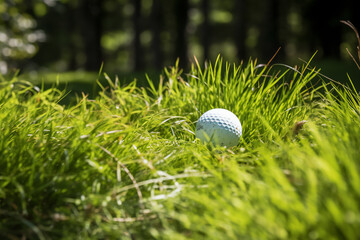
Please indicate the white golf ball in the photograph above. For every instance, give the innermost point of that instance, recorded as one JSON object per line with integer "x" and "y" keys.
{"x": 220, "y": 127}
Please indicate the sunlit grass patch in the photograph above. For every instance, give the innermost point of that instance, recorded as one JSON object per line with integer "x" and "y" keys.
{"x": 126, "y": 164}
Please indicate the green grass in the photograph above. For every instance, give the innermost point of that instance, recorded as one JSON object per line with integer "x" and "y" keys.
{"x": 78, "y": 82}
{"x": 126, "y": 165}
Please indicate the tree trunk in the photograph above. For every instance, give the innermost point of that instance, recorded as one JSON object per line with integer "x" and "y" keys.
{"x": 181, "y": 10}
{"x": 71, "y": 31}
{"x": 240, "y": 28}
{"x": 92, "y": 31}
{"x": 355, "y": 17}
{"x": 326, "y": 30}
{"x": 156, "y": 24}
{"x": 205, "y": 38}
{"x": 269, "y": 37}
{"x": 138, "y": 61}
{"x": 329, "y": 29}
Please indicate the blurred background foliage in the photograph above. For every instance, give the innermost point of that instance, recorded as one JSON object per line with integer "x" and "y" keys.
{"x": 131, "y": 36}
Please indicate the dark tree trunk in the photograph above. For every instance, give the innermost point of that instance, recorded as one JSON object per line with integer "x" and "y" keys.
{"x": 205, "y": 38}
{"x": 269, "y": 37}
{"x": 71, "y": 30}
{"x": 327, "y": 30}
{"x": 355, "y": 16}
{"x": 181, "y": 10}
{"x": 156, "y": 24}
{"x": 92, "y": 31}
{"x": 240, "y": 28}
{"x": 138, "y": 61}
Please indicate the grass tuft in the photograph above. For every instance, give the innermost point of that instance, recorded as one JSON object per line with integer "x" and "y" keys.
{"x": 126, "y": 164}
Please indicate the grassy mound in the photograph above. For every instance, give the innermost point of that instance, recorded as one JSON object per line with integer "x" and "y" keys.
{"x": 127, "y": 165}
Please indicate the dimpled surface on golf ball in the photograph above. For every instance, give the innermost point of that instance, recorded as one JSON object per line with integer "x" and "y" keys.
{"x": 220, "y": 127}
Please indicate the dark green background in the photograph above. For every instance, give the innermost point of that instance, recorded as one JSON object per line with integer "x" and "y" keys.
{"x": 130, "y": 37}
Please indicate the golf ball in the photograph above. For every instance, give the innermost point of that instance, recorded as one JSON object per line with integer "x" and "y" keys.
{"x": 220, "y": 127}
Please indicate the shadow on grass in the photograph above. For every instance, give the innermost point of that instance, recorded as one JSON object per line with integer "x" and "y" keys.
{"x": 79, "y": 83}
{"x": 340, "y": 71}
